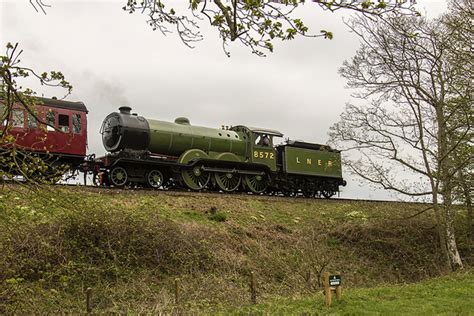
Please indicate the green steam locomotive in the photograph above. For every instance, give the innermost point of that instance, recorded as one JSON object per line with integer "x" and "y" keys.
{"x": 240, "y": 158}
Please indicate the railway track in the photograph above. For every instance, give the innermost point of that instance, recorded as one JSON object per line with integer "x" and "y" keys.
{"x": 245, "y": 195}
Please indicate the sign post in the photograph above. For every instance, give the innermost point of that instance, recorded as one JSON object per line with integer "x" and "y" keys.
{"x": 332, "y": 282}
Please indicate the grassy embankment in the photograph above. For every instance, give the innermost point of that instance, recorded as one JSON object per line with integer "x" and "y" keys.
{"x": 448, "y": 295}
{"x": 131, "y": 246}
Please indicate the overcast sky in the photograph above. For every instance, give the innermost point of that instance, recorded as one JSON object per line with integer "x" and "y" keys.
{"x": 113, "y": 58}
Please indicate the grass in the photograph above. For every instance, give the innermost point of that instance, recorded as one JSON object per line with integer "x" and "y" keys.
{"x": 130, "y": 246}
{"x": 449, "y": 295}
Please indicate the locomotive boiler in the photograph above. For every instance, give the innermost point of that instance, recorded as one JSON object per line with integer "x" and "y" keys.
{"x": 241, "y": 158}
{"x": 127, "y": 131}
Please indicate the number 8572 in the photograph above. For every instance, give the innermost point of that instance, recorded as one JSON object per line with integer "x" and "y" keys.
{"x": 263, "y": 154}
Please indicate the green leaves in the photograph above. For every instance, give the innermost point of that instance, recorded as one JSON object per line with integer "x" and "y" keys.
{"x": 254, "y": 23}
{"x": 382, "y": 5}
{"x": 290, "y": 34}
{"x": 194, "y": 4}
{"x": 269, "y": 46}
{"x": 367, "y": 4}
{"x": 300, "y": 26}
{"x": 218, "y": 20}
{"x": 327, "y": 34}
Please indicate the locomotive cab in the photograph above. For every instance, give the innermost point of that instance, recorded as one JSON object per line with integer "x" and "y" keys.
{"x": 260, "y": 145}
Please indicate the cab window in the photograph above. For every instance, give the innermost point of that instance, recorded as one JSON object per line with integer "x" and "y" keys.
{"x": 263, "y": 140}
{"x": 63, "y": 123}
{"x": 18, "y": 118}
{"x": 257, "y": 140}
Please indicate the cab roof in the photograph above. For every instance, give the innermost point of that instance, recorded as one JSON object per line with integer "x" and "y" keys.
{"x": 259, "y": 130}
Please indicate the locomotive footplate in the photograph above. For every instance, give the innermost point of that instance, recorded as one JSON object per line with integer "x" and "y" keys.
{"x": 249, "y": 172}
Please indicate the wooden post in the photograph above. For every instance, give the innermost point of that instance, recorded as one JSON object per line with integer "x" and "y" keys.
{"x": 327, "y": 289}
{"x": 332, "y": 283}
{"x": 176, "y": 291}
{"x": 253, "y": 291}
{"x": 338, "y": 293}
{"x": 88, "y": 300}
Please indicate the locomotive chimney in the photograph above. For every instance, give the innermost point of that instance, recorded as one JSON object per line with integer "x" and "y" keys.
{"x": 125, "y": 110}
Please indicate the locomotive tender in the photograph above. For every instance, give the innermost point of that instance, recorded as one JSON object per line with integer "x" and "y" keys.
{"x": 240, "y": 158}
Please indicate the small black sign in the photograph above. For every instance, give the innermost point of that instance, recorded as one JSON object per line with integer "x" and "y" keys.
{"x": 334, "y": 280}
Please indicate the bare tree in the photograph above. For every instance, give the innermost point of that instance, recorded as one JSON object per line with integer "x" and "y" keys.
{"x": 402, "y": 135}
{"x": 14, "y": 160}
{"x": 316, "y": 259}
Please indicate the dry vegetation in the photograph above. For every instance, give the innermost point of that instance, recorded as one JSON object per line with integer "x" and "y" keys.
{"x": 131, "y": 246}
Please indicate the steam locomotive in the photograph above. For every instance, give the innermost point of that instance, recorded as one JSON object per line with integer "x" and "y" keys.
{"x": 159, "y": 154}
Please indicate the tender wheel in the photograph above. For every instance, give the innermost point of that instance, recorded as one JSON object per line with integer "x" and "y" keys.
{"x": 195, "y": 178}
{"x": 290, "y": 193}
{"x": 155, "y": 179}
{"x": 327, "y": 194}
{"x": 308, "y": 192}
{"x": 256, "y": 183}
{"x": 118, "y": 176}
{"x": 227, "y": 182}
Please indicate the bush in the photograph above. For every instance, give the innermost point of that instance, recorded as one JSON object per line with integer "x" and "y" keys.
{"x": 218, "y": 217}
{"x": 87, "y": 245}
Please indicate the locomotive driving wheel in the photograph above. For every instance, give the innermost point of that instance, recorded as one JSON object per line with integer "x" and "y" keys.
{"x": 256, "y": 183}
{"x": 155, "y": 179}
{"x": 195, "y": 178}
{"x": 228, "y": 181}
{"x": 118, "y": 176}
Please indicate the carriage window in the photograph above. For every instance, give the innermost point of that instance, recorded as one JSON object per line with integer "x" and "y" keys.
{"x": 32, "y": 121}
{"x": 63, "y": 121}
{"x": 18, "y": 118}
{"x": 76, "y": 123}
{"x": 50, "y": 120}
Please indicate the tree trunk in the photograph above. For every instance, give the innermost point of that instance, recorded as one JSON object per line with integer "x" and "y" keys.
{"x": 455, "y": 258}
{"x": 441, "y": 230}
{"x": 444, "y": 178}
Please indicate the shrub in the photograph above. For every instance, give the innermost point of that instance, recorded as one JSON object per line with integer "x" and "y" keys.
{"x": 87, "y": 245}
{"x": 218, "y": 217}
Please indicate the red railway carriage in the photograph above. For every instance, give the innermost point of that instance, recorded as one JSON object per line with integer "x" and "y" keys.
{"x": 67, "y": 140}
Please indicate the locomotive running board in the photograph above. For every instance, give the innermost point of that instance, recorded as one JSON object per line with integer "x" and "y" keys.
{"x": 210, "y": 169}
